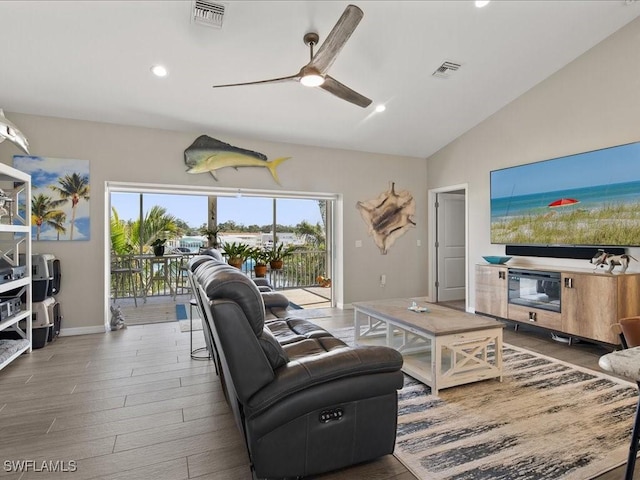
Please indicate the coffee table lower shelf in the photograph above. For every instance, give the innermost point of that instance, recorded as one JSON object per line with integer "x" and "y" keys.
{"x": 440, "y": 361}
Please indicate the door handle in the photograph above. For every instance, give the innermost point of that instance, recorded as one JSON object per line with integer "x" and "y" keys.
{"x": 568, "y": 282}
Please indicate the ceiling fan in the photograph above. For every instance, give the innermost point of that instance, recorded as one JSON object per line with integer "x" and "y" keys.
{"x": 314, "y": 73}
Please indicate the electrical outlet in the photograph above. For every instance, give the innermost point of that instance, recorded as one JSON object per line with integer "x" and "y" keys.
{"x": 419, "y": 243}
{"x": 358, "y": 243}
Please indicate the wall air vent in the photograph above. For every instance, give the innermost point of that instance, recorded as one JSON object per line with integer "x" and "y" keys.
{"x": 446, "y": 69}
{"x": 207, "y": 13}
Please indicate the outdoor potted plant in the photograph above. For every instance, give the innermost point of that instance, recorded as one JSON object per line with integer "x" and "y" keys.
{"x": 158, "y": 246}
{"x": 277, "y": 255}
{"x": 236, "y": 253}
{"x": 260, "y": 258}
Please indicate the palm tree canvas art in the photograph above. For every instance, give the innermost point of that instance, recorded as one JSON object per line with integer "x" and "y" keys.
{"x": 60, "y": 197}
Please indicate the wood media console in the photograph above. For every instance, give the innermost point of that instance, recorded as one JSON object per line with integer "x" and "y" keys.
{"x": 585, "y": 305}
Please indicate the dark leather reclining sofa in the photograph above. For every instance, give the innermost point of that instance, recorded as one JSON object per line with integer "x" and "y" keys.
{"x": 305, "y": 402}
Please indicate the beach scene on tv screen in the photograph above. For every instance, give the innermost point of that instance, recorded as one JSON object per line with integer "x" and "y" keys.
{"x": 590, "y": 198}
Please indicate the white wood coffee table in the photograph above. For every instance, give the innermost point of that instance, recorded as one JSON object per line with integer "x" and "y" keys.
{"x": 442, "y": 347}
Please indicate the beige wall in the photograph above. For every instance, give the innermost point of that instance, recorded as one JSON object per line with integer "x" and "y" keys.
{"x": 592, "y": 103}
{"x": 120, "y": 153}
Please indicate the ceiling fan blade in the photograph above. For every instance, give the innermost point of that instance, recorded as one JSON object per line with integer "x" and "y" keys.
{"x": 333, "y": 86}
{"x": 336, "y": 39}
{"x": 272, "y": 80}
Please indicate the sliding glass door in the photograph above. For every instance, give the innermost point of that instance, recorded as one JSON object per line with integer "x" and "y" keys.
{"x": 297, "y": 226}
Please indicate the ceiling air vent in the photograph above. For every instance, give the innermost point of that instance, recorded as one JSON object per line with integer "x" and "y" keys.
{"x": 446, "y": 69}
{"x": 207, "y": 13}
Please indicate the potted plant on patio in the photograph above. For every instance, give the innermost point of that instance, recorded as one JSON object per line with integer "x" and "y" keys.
{"x": 158, "y": 246}
{"x": 260, "y": 258}
{"x": 276, "y": 256}
{"x": 236, "y": 253}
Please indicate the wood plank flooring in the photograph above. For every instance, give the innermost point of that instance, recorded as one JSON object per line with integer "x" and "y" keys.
{"x": 132, "y": 404}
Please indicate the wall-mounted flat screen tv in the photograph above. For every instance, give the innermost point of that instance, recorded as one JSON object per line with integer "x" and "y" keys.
{"x": 590, "y": 198}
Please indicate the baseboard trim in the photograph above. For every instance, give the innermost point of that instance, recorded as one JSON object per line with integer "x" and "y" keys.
{"x": 69, "y": 332}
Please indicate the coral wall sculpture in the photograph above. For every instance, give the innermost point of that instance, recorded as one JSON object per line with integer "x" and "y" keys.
{"x": 388, "y": 216}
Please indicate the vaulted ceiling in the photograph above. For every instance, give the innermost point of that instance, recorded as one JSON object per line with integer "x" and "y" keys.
{"x": 91, "y": 60}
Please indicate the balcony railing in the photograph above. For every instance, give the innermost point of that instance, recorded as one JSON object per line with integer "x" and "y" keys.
{"x": 152, "y": 276}
{"x": 302, "y": 269}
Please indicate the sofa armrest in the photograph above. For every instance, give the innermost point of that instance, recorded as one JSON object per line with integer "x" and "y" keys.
{"x": 262, "y": 282}
{"x": 274, "y": 299}
{"x": 318, "y": 368}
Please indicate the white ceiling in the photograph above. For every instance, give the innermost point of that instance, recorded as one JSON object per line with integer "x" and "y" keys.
{"x": 90, "y": 60}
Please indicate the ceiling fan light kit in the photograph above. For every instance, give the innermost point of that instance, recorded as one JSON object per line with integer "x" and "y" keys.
{"x": 314, "y": 73}
{"x": 312, "y": 80}
{"x": 311, "y": 77}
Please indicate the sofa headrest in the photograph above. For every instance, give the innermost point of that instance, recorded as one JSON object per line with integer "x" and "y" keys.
{"x": 221, "y": 281}
{"x": 212, "y": 252}
{"x": 198, "y": 260}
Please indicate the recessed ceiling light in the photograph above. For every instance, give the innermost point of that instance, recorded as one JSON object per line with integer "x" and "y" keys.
{"x": 159, "y": 70}
{"x": 380, "y": 108}
{"x": 482, "y": 3}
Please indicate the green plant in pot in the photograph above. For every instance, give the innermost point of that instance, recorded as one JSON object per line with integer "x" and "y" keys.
{"x": 260, "y": 258}
{"x": 158, "y": 246}
{"x": 236, "y": 253}
{"x": 277, "y": 255}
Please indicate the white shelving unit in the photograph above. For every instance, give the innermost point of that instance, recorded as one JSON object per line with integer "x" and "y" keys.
{"x": 15, "y": 250}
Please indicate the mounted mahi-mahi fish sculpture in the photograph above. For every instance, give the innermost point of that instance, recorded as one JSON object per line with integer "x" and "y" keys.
{"x": 388, "y": 216}
{"x": 208, "y": 154}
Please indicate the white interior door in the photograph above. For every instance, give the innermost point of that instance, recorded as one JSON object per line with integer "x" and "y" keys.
{"x": 450, "y": 246}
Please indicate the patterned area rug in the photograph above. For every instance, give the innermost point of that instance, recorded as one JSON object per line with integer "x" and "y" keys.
{"x": 547, "y": 420}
